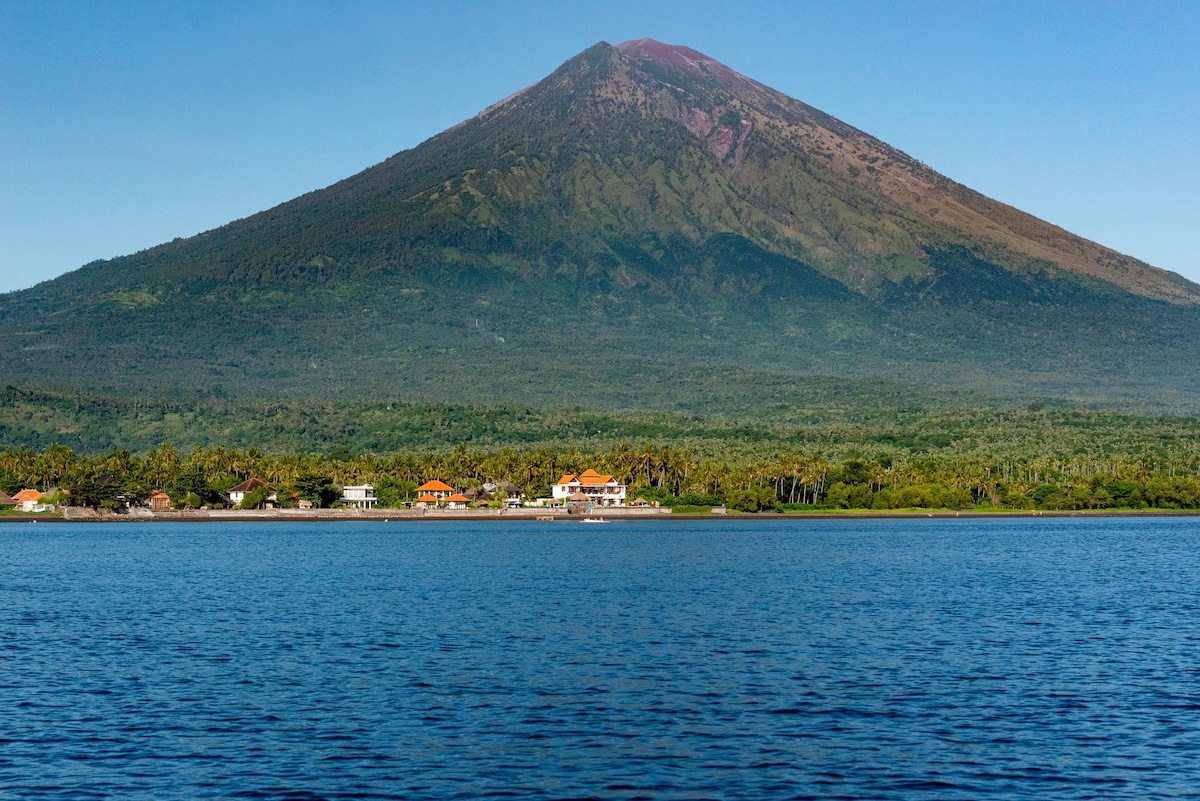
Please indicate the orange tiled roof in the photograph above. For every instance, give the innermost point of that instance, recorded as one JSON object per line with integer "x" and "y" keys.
{"x": 589, "y": 478}
{"x": 27, "y": 495}
{"x": 435, "y": 486}
{"x": 159, "y": 494}
{"x": 427, "y": 498}
{"x": 457, "y": 498}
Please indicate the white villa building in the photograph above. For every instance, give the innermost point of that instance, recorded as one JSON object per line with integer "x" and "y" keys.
{"x": 599, "y": 490}
{"x": 361, "y": 496}
{"x": 238, "y": 494}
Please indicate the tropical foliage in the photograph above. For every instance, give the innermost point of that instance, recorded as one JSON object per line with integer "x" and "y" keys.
{"x": 1026, "y": 474}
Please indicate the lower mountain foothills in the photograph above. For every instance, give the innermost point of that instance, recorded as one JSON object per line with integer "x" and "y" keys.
{"x": 842, "y": 445}
{"x": 730, "y": 421}
{"x": 481, "y": 334}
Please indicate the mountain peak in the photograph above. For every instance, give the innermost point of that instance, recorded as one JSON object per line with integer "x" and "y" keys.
{"x": 675, "y": 57}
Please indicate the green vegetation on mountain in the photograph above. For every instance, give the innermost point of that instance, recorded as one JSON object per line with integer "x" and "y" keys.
{"x": 91, "y": 425}
{"x": 644, "y": 230}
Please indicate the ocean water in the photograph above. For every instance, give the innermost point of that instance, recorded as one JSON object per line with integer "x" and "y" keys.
{"x": 847, "y": 659}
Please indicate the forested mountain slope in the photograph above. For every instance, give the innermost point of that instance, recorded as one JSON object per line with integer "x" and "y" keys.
{"x": 642, "y": 215}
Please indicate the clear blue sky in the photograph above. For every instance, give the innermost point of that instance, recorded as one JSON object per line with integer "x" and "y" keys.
{"x": 123, "y": 124}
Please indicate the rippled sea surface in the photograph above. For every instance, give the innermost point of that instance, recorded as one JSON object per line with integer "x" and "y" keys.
{"x": 790, "y": 659}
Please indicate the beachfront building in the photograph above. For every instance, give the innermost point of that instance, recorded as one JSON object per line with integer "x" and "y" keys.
{"x": 159, "y": 501}
{"x": 599, "y": 490}
{"x": 28, "y": 500}
{"x": 238, "y": 494}
{"x": 361, "y": 496}
{"x": 435, "y": 488}
{"x": 456, "y": 501}
{"x": 7, "y": 500}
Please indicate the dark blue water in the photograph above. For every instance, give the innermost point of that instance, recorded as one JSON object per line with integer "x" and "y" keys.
{"x": 792, "y": 659}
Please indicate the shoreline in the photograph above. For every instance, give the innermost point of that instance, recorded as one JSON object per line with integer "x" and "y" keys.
{"x": 83, "y": 515}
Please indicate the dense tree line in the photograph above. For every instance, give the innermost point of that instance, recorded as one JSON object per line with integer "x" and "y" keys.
{"x": 673, "y": 476}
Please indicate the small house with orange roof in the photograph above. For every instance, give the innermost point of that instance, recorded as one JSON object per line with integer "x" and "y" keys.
{"x": 456, "y": 501}
{"x": 28, "y": 500}
{"x": 600, "y": 490}
{"x": 159, "y": 501}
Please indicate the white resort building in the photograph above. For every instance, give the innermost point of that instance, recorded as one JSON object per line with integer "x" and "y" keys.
{"x": 595, "y": 488}
{"x": 361, "y": 496}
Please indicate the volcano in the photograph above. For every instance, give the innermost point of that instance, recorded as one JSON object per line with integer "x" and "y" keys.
{"x": 641, "y": 216}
